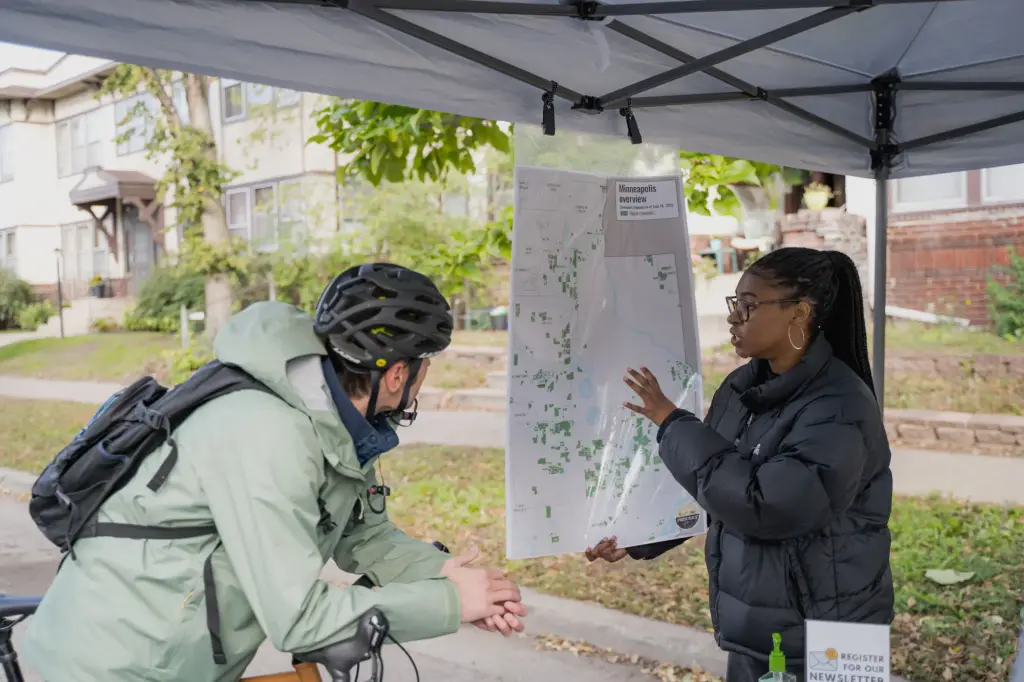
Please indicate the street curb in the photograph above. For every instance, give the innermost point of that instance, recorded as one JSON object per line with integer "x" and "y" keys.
{"x": 623, "y": 632}
{"x": 15, "y": 482}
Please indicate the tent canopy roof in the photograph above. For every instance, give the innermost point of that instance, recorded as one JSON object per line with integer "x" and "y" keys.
{"x": 794, "y": 82}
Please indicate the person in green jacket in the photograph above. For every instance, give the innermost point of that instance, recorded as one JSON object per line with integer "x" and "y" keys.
{"x": 288, "y": 479}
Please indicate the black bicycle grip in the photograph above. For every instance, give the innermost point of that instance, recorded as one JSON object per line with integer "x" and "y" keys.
{"x": 339, "y": 658}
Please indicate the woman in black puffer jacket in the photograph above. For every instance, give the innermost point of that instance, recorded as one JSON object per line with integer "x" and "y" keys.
{"x": 791, "y": 463}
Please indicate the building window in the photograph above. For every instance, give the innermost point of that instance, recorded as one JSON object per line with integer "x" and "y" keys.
{"x": 266, "y": 215}
{"x": 238, "y": 213}
{"x": 8, "y": 250}
{"x": 239, "y": 98}
{"x": 84, "y": 252}
{"x": 1002, "y": 185}
{"x": 135, "y": 118}
{"x": 6, "y": 154}
{"x": 930, "y": 192}
{"x": 80, "y": 143}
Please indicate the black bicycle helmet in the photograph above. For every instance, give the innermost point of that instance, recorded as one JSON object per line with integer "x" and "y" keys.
{"x": 377, "y": 314}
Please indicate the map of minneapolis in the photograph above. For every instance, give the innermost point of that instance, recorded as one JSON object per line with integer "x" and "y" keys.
{"x": 579, "y": 466}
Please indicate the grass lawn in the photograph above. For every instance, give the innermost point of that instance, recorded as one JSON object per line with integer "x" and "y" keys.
{"x": 450, "y": 374}
{"x": 969, "y": 629}
{"x": 909, "y": 336}
{"x": 900, "y": 336}
{"x": 959, "y": 633}
{"x": 33, "y": 431}
{"x": 93, "y": 357}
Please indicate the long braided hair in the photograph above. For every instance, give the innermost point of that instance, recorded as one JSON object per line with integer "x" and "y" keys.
{"x": 829, "y": 279}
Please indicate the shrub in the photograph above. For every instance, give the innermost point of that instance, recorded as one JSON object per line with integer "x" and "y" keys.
{"x": 158, "y": 307}
{"x": 104, "y": 324}
{"x": 31, "y": 316}
{"x": 182, "y": 362}
{"x": 15, "y": 294}
{"x": 1006, "y": 302}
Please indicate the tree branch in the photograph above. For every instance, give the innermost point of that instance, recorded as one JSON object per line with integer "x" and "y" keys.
{"x": 153, "y": 84}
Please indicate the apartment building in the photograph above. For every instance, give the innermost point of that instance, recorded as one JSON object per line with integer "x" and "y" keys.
{"x": 75, "y": 198}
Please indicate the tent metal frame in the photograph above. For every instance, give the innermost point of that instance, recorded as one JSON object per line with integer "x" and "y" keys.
{"x": 882, "y": 149}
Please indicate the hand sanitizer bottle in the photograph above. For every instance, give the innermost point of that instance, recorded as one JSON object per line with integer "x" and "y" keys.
{"x": 777, "y": 663}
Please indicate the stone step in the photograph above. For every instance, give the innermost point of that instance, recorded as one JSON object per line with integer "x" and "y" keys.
{"x": 484, "y": 354}
{"x": 478, "y": 399}
{"x": 498, "y": 380}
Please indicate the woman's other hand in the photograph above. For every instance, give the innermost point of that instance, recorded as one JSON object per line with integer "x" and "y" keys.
{"x": 656, "y": 405}
{"x": 607, "y": 549}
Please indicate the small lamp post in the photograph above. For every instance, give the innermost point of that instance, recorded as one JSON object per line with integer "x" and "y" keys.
{"x": 60, "y": 296}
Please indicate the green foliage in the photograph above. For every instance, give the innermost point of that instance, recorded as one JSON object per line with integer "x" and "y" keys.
{"x": 390, "y": 144}
{"x": 706, "y": 173}
{"x": 197, "y": 257}
{"x": 192, "y": 170}
{"x": 15, "y": 294}
{"x": 387, "y": 142}
{"x": 104, "y": 325}
{"x": 182, "y": 362}
{"x": 405, "y": 223}
{"x": 158, "y": 305}
{"x": 1006, "y": 302}
{"x": 33, "y": 315}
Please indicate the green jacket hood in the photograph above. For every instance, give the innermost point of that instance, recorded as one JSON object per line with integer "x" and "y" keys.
{"x": 263, "y": 338}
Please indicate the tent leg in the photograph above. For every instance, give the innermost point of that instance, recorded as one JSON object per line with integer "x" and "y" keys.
{"x": 881, "y": 233}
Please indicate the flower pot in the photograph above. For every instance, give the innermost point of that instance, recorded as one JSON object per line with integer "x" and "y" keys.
{"x": 816, "y": 201}
{"x": 97, "y": 290}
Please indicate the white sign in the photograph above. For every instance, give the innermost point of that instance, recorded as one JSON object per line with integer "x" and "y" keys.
{"x": 650, "y": 200}
{"x": 847, "y": 652}
{"x": 591, "y": 296}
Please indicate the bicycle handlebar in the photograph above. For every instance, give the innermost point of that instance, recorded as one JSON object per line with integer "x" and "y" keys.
{"x": 340, "y": 658}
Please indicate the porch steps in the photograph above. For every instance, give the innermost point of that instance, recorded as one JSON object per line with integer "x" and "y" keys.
{"x": 83, "y": 312}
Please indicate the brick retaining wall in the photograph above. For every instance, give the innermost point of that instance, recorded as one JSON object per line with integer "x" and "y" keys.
{"x": 996, "y": 434}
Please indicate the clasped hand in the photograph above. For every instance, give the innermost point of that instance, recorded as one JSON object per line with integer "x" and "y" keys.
{"x": 489, "y": 600}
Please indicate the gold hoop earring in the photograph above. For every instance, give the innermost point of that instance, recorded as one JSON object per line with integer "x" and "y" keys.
{"x": 803, "y": 338}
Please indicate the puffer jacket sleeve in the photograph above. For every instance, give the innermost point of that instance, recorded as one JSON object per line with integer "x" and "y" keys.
{"x": 261, "y": 470}
{"x": 377, "y": 548}
{"x": 813, "y": 475}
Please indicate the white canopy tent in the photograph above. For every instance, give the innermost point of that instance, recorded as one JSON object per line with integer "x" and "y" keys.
{"x": 873, "y": 88}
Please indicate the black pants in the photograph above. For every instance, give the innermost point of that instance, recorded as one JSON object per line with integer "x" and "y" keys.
{"x": 742, "y": 668}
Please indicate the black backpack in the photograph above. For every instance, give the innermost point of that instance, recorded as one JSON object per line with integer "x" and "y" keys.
{"x": 105, "y": 455}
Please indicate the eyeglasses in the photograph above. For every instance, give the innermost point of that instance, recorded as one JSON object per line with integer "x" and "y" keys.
{"x": 744, "y": 308}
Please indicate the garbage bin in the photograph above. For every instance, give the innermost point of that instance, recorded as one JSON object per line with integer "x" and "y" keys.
{"x": 499, "y": 318}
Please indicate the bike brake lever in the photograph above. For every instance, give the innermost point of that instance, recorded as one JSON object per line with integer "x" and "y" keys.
{"x": 339, "y": 658}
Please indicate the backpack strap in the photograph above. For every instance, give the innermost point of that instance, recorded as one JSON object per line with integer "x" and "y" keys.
{"x": 219, "y": 379}
{"x": 133, "y": 532}
{"x": 212, "y": 610}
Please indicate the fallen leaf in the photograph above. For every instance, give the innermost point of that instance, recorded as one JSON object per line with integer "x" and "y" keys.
{"x": 948, "y": 576}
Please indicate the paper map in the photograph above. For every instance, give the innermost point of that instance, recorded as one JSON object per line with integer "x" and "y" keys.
{"x": 596, "y": 287}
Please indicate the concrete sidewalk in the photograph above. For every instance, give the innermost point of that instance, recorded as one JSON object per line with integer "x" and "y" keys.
{"x": 977, "y": 478}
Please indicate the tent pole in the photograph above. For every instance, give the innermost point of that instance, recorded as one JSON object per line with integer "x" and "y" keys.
{"x": 881, "y": 267}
